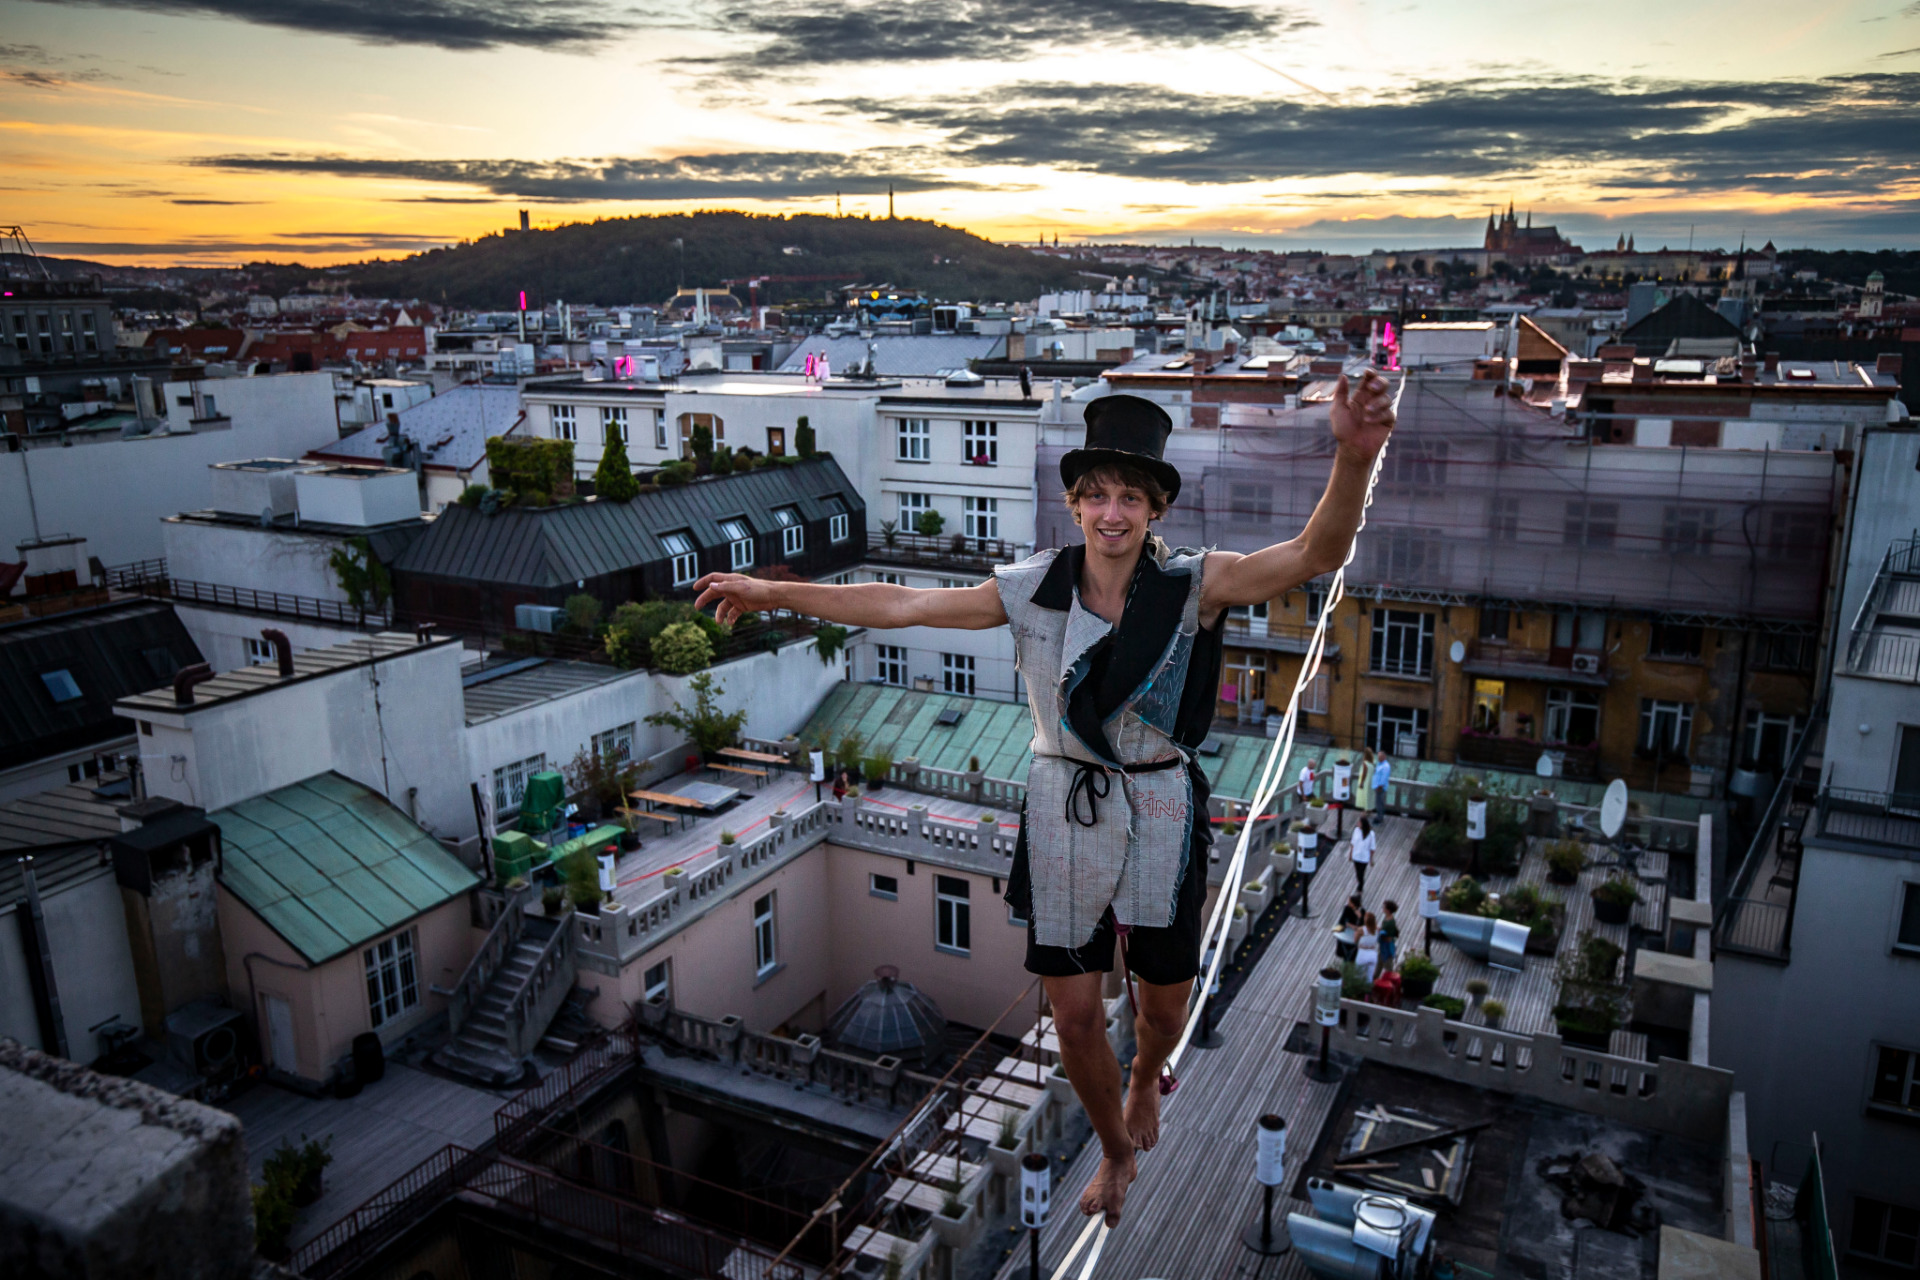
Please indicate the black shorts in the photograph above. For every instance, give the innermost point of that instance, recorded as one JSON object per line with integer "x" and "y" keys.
{"x": 1163, "y": 956}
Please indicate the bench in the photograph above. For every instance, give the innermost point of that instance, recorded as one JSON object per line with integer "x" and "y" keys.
{"x": 671, "y": 821}
{"x": 758, "y": 775}
{"x": 753, "y": 757}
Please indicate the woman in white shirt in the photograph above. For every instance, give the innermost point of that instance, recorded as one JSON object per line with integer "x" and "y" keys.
{"x": 1360, "y": 849}
{"x": 1367, "y": 954}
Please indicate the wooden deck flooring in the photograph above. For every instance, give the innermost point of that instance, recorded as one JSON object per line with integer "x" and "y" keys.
{"x": 385, "y": 1130}
{"x": 1196, "y": 1189}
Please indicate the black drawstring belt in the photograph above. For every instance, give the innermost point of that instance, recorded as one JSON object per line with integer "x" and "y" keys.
{"x": 1094, "y": 783}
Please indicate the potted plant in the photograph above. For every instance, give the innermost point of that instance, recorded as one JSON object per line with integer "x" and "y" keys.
{"x": 956, "y": 1220}
{"x": 1453, "y": 1006}
{"x": 1565, "y": 860}
{"x": 1477, "y": 989}
{"x": 1463, "y": 896}
{"x": 1417, "y": 976}
{"x": 727, "y": 837}
{"x": 1590, "y": 1025}
{"x": 1493, "y": 1011}
{"x": 273, "y": 1213}
{"x": 1237, "y": 929}
{"x": 553, "y": 900}
{"x": 1008, "y": 1145}
{"x": 1613, "y": 901}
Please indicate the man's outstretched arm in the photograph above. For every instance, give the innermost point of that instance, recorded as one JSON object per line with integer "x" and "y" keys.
{"x": 857, "y": 604}
{"x": 1361, "y": 424}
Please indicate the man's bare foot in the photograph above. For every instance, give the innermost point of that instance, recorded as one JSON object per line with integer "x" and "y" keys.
{"x": 1143, "y": 1110}
{"x": 1108, "y": 1190}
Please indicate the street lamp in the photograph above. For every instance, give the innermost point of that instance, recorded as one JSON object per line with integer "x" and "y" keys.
{"x": 817, "y": 768}
{"x": 1270, "y": 1158}
{"x": 1430, "y": 881}
{"x": 1342, "y": 794}
{"x": 1326, "y": 1012}
{"x": 1308, "y": 841}
{"x": 1476, "y": 828}
{"x": 1036, "y": 1185}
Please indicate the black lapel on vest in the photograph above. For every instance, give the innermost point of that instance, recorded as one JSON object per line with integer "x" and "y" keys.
{"x": 1152, "y": 616}
{"x": 1056, "y": 585}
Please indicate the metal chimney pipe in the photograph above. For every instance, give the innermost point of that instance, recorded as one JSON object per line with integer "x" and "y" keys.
{"x": 282, "y": 649}
{"x": 185, "y": 679}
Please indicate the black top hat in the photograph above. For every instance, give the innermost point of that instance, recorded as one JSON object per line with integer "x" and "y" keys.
{"x": 1124, "y": 429}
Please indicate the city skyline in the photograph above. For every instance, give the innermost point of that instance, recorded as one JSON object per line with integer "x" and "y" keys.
{"x": 146, "y": 132}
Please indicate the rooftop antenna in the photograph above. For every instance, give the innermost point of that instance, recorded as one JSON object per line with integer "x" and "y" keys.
{"x": 14, "y": 243}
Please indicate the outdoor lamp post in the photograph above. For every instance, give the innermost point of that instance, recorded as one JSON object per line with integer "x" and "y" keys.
{"x": 817, "y": 767}
{"x": 1476, "y": 828}
{"x": 1429, "y": 903}
{"x": 1308, "y": 841}
{"x": 1342, "y": 794}
{"x": 1036, "y": 1185}
{"x": 1270, "y": 1158}
{"x": 608, "y": 857}
{"x": 1326, "y": 1012}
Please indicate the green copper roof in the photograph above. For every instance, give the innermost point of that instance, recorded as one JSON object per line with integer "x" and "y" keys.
{"x": 330, "y": 864}
{"x": 901, "y": 723}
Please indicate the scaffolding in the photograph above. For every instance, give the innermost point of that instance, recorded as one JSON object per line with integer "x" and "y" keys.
{"x": 1486, "y": 498}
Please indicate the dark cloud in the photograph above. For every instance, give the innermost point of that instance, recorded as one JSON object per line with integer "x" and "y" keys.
{"x": 812, "y": 33}
{"x": 1835, "y": 135}
{"x": 1902, "y": 53}
{"x": 330, "y": 242}
{"x": 444, "y": 24}
{"x": 219, "y": 202}
{"x": 757, "y": 175}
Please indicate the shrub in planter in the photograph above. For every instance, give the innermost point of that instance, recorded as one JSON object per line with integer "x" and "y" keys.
{"x": 553, "y": 900}
{"x": 1417, "y": 975}
{"x": 1453, "y": 1006}
{"x": 1590, "y": 1024}
{"x": 1477, "y": 989}
{"x": 1565, "y": 860}
{"x": 1493, "y": 1011}
{"x": 273, "y": 1213}
{"x": 1009, "y": 1131}
{"x": 1353, "y": 982}
{"x": 876, "y": 767}
{"x": 727, "y": 837}
{"x": 1613, "y": 901}
{"x": 1464, "y": 896}
{"x": 1543, "y": 936}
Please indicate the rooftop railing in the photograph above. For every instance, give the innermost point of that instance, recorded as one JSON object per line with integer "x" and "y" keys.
{"x": 943, "y": 550}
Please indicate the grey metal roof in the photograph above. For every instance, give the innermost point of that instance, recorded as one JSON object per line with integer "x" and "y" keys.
{"x": 108, "y": 652}
{"x": 898, "y": 355}
{"x": 888, "y": 1016}
{"x": 64, "y": 815}
{"x": 556, "y": 546}
{"x": 307, "y": 663}
{"x": 452, "y": 428}
{"x": 527, "y": 685}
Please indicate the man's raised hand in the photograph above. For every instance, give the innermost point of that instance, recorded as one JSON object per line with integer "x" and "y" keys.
{"x": 736, "y": 593}
{"x": 1363, "y": 414}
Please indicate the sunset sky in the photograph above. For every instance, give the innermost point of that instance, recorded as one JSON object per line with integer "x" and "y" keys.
{"x": 210, "y": 131}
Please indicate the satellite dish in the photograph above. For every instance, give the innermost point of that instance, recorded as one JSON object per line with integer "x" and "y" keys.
{"x": 1544, "y": 765}
{"x": 1457, "y": 652}
{"x": 1613, "y": 808}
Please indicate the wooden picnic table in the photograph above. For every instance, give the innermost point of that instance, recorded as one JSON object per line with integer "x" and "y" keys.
{"x": 758, "y": 757}
{"x": 758, "y": 775}
{"x": 667, "y": 798}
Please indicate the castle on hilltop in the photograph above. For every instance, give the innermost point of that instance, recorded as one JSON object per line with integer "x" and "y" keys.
{"x": 1507, "y": 237}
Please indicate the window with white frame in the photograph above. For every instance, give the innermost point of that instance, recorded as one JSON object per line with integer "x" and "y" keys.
{"x": 958, "y": 583}
{"x": 980, "y": 517}
{"x": 1896, "y": 1080}
{"x": 1591, "y": 524}
{"x": 739, "y": 543}
{"x": 657, "y": 982}
{"x": 660, "y": 428}
{"x": 1885, "y": 1232}
{"x": 1402, "y": 642}
{"x": 982, "y": 442}
{"x": 891, "y": 579}
{"x": 911, "y": 507}
{"x": 1399, "y": 731}
{"x": 1573, "y": 717}
{"x": 952, "y": 914}
{"x": 613, "y": 425}
{"x": 765, "y": 957}
{"x": 686, "y": 557}
{"x": 616, "y": 742}
{"x": 1687, "y": 531}
{"x": 880, "y": 886}
{"x": 1666, "y": 728}
{"x": 259, "y": 651}
{"x": 1316, "y": 602}
{"x": 1318, "y": 695}
{"x": 1906, "y": 936}
{"x": 1769, "y": 740}
{"x": 565, "y": 424}
{"x": 510, "y": 782}
{"x": 793, "y": 533}
{"x": 890, "y": 663}
{"x": 913, "y": 440}
{"x": 956, "y": 672}
{"x": 839, "y": 522}
{"x": 393, "y": 981}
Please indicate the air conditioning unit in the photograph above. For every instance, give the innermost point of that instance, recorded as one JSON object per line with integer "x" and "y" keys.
{"x": 206, "y": 1039}
{"x": 538, "y": 617}
{"x": 1586, "y": 664}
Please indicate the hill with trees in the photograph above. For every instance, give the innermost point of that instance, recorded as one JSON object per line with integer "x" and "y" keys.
{"x": 645, "y": 259}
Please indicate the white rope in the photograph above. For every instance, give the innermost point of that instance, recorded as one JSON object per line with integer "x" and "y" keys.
{"x": 1271, "y": 780}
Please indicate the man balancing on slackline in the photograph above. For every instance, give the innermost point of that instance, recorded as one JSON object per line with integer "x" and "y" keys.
{"x": 1120, "y": 644}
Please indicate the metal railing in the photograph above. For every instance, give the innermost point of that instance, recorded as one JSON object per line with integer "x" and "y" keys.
{"x": 501, "y": 940}
{"x": 1877, "y": 817}
{"x": 533, "y": 1004}
{"x": 387, "y": 1213}
{"x": 1889, "y": 656}
{"x": 943, "y": 549}
{"x": 150, "y": 578}
{"x": 585, "y": 1072}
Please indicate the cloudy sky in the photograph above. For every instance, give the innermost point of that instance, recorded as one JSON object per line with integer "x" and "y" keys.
{"x": 206, "y": 131}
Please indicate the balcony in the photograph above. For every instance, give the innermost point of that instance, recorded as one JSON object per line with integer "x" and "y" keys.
{"x": 1520, "y": 755}
{"x": 1572, "y": 667}
{"x": 950, "y": 551}
{"x": 1281, "y": 637}
{"x": 1885, "y": 639}
{"x": 1869, "y": 817}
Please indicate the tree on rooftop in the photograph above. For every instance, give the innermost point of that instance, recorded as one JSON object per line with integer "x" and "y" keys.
{"x": 613, "y": 478}
{"x": 705, "y": 723}
{"x": 362, "y": 578}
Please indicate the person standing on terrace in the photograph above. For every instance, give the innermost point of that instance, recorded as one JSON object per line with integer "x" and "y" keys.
{"x": 1119, "y": 639}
